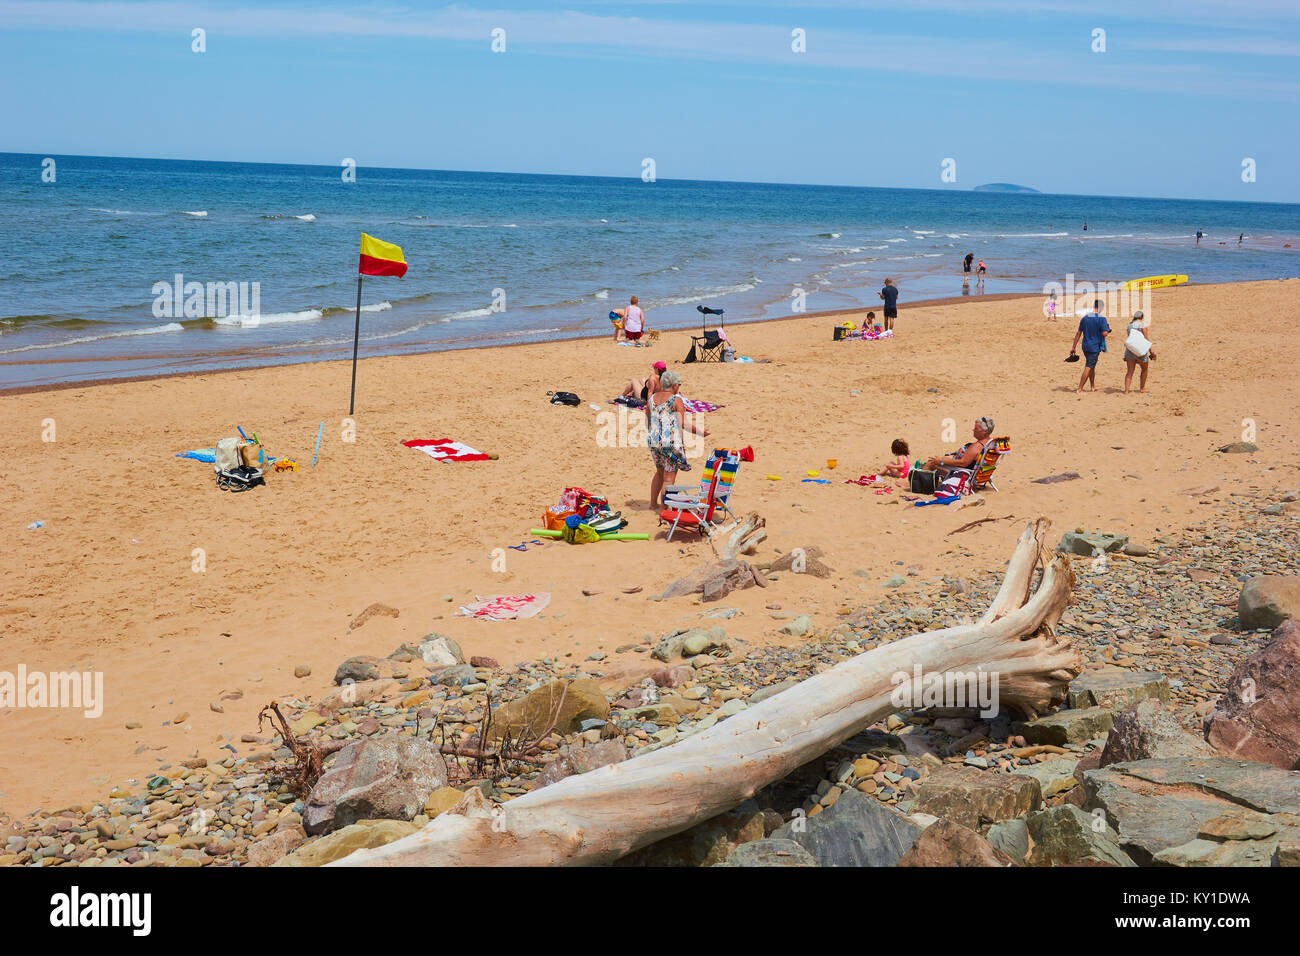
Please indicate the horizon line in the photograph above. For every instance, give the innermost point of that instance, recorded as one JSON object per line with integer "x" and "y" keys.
{"x": 736, "y": 182}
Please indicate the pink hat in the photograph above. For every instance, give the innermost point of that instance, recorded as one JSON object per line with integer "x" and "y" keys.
{"x": 660, "y": 366}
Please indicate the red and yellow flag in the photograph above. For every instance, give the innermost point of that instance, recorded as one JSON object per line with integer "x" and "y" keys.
{"x": 379, "y": 258}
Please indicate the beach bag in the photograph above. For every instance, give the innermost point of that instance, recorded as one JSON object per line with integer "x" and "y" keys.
{"x": 1137, "y": 343}
{"x": 553, "y": 517}
{"x": 226, "y": 455}
{"x": 958, "y": 483}
{"x": 923, "y": 482}
{"x": 248, "y": 454}
{"x": 565, "y": 398}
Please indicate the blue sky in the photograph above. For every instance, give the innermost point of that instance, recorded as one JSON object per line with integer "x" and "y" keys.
{"x": 1009, "y": 89}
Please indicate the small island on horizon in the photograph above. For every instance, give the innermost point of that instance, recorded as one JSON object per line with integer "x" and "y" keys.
{"x": 1003, "y": 188}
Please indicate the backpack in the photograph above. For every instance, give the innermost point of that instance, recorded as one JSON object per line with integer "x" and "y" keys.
{"x": 564, "y": 398}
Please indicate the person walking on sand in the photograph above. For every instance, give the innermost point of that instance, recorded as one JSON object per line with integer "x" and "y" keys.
{"x": 633, "y": 322}
{"x": 1093, "y": 329}
{"x": 890, "y": 294}
{"x": 665, "y": 415}
{"x": 1136, "y": 335}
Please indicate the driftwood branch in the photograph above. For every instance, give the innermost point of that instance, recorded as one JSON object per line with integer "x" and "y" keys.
{"x": 970, "y": 524}
{"x": 597, "y": 817}
{"x": 739, "y": 537}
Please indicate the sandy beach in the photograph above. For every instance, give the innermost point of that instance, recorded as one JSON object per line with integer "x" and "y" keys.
{"x": 109, "y": 582}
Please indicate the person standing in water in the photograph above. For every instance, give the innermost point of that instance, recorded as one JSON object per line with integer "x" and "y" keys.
{"x": 1198, "y": 236}
{"x": 965, "y": 264}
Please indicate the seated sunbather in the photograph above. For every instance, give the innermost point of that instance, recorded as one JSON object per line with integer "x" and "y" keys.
{"x": 967, "y": 455}
{"x": 641, "y": 388}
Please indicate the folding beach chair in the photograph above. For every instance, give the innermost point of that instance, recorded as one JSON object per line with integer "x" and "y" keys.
{"x": 981, "y": 476}
{"x": 694, "y": 514}
{"x": 708, "y": 345}
{"x": 727, "y": 460}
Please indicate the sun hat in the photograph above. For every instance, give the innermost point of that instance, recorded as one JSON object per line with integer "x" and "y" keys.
{"x": 660, "y": 366}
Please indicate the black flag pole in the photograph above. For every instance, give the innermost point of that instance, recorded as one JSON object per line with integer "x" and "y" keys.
{"x": 356, "y": 339}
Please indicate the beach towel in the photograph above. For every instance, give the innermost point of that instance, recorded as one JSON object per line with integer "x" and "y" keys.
{"x": 444, "y": 449}
{"x": 936, "y": 501}
{"x": 208, "y": 455}
{"x": 690, "y": 404}
{"x": 507, "y": 607}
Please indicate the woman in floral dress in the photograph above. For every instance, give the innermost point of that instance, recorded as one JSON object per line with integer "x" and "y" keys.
{"x": 666, "y": 420}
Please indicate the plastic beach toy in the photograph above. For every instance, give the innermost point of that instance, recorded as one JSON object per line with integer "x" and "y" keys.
{"x": 813, "y": 474}
{"x": 773, "y": 477}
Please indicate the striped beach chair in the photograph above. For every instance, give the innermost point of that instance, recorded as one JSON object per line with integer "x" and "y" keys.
{"x": 702, "y": 513}
{"x": 691, "y": 494}
{"x": 983, "y": 473}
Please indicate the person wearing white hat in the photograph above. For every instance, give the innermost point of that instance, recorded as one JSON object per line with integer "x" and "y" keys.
{"x": 1137, "y": 350}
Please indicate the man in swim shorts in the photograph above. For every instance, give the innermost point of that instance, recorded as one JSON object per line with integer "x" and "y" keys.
{"x": 890, "y": 294}
{"x": 1093, "y": 329}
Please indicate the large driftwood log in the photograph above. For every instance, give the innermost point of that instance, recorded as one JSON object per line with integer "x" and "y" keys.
{"x": 600, "y": 816}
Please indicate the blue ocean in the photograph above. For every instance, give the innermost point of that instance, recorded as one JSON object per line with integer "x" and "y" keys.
{"x": 98, "y": 262}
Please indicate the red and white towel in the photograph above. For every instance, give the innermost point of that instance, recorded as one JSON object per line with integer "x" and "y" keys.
{"x": 444, "y": 449}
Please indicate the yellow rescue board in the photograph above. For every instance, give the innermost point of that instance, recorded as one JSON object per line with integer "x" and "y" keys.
{"x": 1154, "y": 282}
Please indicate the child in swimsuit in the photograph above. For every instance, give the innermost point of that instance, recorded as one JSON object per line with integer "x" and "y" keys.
{"x": 900, "y": 466}
{"x": 1051, "y": 306}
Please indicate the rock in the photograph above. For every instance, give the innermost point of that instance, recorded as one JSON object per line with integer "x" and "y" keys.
{"x": 857, "y": 831}
{"x": 442, "y": 800}
{"x": 1149, "y": 731}
{"x": 1053, "y": 776}
{"x": 1073, "y": 542}
{"x": 582, "y": 760}
{"x": 1113, "y": 687}
{"x": 302, "y": 670}
{"x": 1211, "y": 853}
{"x": 440, "y": 650}
{"x": 1239, "y": 825}
{"x": 1136, "y": 550}
{"x": 353, "y": 695}
{"x": 1010, "y": 837}
{"x": 715, "y": 581}
{"x": 567, "y": 703}
{"x": 1269, "y": 599}
{"x": 1065, "y": 726}
{"x": 365, "y": 834}
{"x": 386, "y": 777}
{"x": 705, "y": 844}
{"x": 1259, "y": 716}
{"x": 1065, "y": 836}
{"x": 974, "y": 798}
{"x": 1238, "y": 448}
{"x": 810, "y": 563}
{"x": 1159, "y": 804}
{"x": 769, "y": 852}
{"x": 949, "y": 844}
{"x": 275, "y": 846}
{"x": 799, "y": 627}
{"x": 896, "y": 581}
{"x": 364, "y": 668}
{"x": 673, "y": 676}
{"x": 670, "y": 648}
{"x": 481, "y": 661}
{"x": 455, "y": 675}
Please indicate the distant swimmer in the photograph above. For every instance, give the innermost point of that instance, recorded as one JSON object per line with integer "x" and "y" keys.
{"x": 1240, "y": 237}
{"x": 1085, "y": 227}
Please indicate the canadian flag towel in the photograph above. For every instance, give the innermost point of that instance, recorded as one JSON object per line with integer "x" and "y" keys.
{"x": 444, "y": 449}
